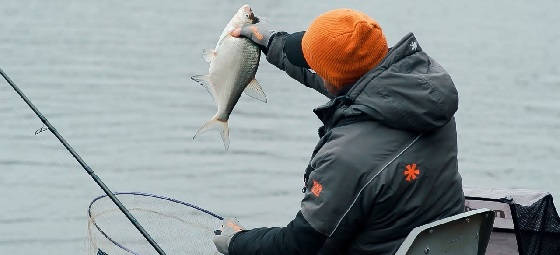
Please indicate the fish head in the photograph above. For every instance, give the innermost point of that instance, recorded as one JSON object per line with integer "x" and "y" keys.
{"x": 244, "y": 16}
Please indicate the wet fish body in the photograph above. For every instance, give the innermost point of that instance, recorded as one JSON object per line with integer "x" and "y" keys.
{"x": 233, "y": 65}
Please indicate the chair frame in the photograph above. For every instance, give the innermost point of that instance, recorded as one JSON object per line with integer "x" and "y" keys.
{"x": 460, "y": 231}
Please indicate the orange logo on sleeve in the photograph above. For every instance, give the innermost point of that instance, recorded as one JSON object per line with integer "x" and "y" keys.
{"x": 411, "y": 172}
{"x": 317, "y": 188}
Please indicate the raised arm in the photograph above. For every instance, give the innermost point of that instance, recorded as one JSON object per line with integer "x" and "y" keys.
{"x": 276, "y": 56}
{"x": 272, "y": 44}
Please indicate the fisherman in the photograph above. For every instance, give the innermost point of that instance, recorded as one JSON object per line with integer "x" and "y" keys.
{"x": 386, "y": 160}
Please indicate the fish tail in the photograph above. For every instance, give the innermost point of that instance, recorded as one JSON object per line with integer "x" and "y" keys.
{"x": 222, "y": 127}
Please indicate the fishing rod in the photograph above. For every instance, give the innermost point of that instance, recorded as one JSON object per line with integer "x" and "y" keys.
{"x": 84, "y": 165}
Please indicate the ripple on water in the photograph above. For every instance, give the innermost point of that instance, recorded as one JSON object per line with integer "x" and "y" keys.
{"x": 113, "y": 79}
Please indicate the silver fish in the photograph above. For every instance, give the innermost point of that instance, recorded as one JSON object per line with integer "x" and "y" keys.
{"x": 233, "y": 65}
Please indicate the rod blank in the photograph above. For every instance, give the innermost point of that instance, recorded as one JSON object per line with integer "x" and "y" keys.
{"x": 84, "y": 165}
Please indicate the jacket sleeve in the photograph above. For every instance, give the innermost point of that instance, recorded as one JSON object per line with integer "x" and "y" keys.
{"x": 332, "y": 204}
{"x": 277, "y": 57}
{"x": 328, "y": 219}
{"x": 298, "y": 238}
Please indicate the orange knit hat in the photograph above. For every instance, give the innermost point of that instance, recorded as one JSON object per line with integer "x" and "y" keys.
{"x": 342, "y": 45}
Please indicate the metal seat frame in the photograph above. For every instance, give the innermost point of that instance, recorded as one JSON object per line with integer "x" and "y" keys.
{"x": 463, "y": 234}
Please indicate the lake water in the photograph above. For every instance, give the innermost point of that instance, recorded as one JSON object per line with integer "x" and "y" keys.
{"x": 112, "y": 77}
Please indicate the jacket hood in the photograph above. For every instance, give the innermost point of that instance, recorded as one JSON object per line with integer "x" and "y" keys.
{"x": 408, "y": 90}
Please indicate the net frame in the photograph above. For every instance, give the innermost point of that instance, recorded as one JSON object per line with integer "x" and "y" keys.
{"x": 92, "y": 221}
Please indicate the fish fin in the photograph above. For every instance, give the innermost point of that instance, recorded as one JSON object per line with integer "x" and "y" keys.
{"x": 255, "y": 91}
{"x": 204, "y": 81}
{"x": 208, "y": 55}
{"x": 222, "y": 127}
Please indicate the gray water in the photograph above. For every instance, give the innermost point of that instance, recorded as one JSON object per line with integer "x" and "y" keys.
{"x": 111, "y": 76}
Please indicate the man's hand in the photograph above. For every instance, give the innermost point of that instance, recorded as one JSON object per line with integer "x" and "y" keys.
{"x": 259, "y": 33}
{"x": 223, "y": 236}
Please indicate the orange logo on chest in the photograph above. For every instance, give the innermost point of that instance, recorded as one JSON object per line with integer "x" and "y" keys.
{"x": 411, "y": 172}
{"x": 317, "y": 188}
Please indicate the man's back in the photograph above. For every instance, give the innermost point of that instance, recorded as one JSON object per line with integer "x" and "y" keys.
{"x": 419, "y": 186}
{"x": 387, "y": 158}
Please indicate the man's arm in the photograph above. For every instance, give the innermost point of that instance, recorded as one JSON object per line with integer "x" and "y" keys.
{"x": 277, "y": 57}
{"x": 298, "y": 238}
{"x": 327, "y": 212}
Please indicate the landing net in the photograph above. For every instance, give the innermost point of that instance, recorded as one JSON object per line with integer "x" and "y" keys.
{"x": 178, "y": 227}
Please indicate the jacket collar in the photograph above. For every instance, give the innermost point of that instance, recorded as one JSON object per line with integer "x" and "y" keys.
{"x": 408, "y": 90}
{"x": 327, "y": 112}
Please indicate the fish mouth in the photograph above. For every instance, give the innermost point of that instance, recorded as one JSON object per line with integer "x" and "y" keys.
{"x": 254, "y": 19}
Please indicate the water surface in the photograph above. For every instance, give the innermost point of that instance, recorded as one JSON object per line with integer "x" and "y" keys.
{"x": 111, "y": 76}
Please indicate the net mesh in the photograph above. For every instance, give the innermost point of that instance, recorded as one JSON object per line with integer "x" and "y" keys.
{"x": 537, "y": 227}
{"x": 178, "y": 227}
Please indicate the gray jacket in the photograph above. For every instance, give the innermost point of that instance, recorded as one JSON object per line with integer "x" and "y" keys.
{"x": 385, "y": 163}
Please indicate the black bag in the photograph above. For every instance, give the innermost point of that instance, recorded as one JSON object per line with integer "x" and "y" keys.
{"x": 526, "y": 221}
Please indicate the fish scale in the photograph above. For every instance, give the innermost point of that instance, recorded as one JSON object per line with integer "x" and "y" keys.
{"x": 250, "y": 55}
{"x": 233, "y": 65}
